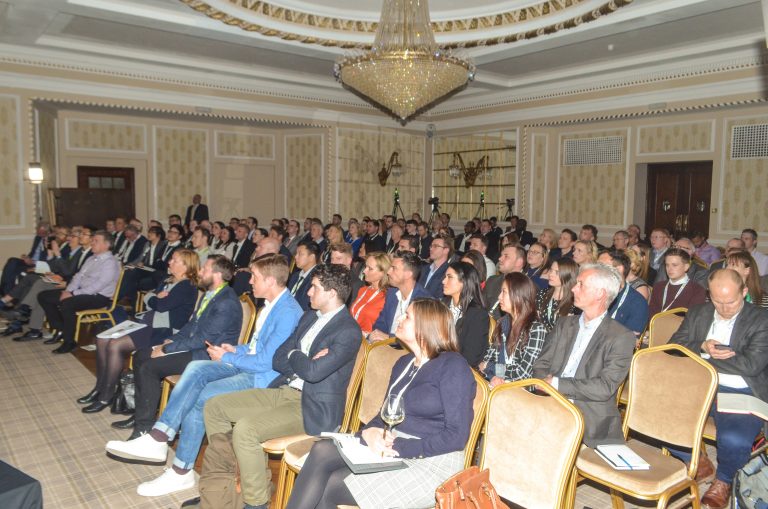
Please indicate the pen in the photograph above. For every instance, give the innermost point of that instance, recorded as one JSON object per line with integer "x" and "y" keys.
{"x": 625, "y": 461}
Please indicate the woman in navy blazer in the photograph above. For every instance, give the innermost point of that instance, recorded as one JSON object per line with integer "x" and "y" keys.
{"x": 170, "y": 308}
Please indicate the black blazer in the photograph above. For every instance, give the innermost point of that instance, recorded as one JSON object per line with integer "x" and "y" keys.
{"x": 137, "y": 250}
{"x": 243, "y": 258}
{"x": 491, "y": 294}
{"x": 201, "y": 214}
{"x": 749, "y": 340}
{"x": 179, "y": 303}
{"x": 325, "y": 379}
{"x": 67, "y": 267}
{"x": 301, "y": 293}
{"x": 119, "y": 239}
{"x": 435, "y": 286}
{"x": 472, "y": 332}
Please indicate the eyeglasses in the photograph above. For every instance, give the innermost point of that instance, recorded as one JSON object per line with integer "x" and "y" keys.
{"x": 438, "y": 245}
{"x": 542, "y": 253}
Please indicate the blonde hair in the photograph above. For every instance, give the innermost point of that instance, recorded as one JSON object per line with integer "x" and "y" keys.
{"x": 382, "y": 263}
{"x": 191, "y": 261}
{"x": 591, "y": 250}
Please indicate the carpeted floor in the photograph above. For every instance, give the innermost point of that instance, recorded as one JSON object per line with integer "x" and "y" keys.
{"x": 44, "y": 434}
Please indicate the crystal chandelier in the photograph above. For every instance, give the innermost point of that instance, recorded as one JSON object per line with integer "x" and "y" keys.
{"x": 405, "y": 71}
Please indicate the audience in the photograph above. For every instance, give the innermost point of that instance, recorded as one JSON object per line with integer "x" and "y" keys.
{"x": 660, "y": 242}
{"x": 704, "y": 250}
{"x": 743, "y": 263}
{"x": 629, "y": 308}
{"x": 565, "y": 245}
{"x": 585, "y": 252}
{"x": 638, "y": 267}
{"x": 537, "y": 264}
{"x": 479, "y": 243}
{"x": 477, "y": 259}
{"x": 557, "y": 300}
{"x": 461, "y": 287}
{"x": 512, "y": 259}
{"x": 679, "y": 291}
{"x": 369, "y": 300}
{"x": 341, "y": 254}
{"x": 14, "y": 267}
{"x": 306, "y": 260}
{"x": 440, "y": 252}
{"x": 749, "y": 237}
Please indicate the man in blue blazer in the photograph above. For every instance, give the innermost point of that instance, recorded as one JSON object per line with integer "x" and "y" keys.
{"x": 248, "y": 366}
{"x": 309, "y": 395}
{"x": 440, "y": 252}
{"x": 216, "y": 320}
{"x": 403, "y": 276}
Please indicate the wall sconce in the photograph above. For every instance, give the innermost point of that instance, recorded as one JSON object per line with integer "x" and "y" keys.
{"x": 35, "y": 173}
{"x": 393, "y": 168}
{"x": 458, "y": 168}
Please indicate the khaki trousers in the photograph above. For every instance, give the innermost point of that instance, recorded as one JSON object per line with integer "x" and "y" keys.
{"x": 258, "y": 415}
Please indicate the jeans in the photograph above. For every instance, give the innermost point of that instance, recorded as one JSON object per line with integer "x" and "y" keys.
{"x": 735, "y": 435}
{"x": 201, "y": 381}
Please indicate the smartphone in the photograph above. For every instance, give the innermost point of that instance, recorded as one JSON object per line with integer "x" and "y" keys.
{"x": 208, "y": 343}
{"x": 721, "y": 346}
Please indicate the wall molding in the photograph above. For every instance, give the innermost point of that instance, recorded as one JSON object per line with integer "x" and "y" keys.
{"x": 20, "y": 163}
{"x": 69, "y": 147}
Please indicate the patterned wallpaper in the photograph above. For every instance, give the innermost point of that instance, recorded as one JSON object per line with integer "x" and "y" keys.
{"x": 462, "y": 202}
{"x": 10, "y": 205}
{"x": 85, "y": 134}
{"x": 360, "y": 156}
{"x": 692, "y": 137}
{"x": 538, "y": 177}
{"x": 745, "y": 187}
{"x": 231, "y": 144}
{"x": 594, "y": 193}
{"x": 304, "y": 165}
{"x": 181, "y": 168}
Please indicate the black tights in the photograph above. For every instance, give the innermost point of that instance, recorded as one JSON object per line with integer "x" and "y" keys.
{"x": 320, "y": 484}
{"x": 110, "y": 358}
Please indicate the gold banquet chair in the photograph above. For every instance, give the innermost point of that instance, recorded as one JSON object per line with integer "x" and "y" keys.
{"x": 90, "y": 316}
{"x": 530, "y": 445}
{"x": 669, "y": 400}
{"x": 374, "y": 375}
{"x": 246, "y": 329}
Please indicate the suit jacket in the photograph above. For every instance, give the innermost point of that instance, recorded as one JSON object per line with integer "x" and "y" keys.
{"x": 201, "y": 213}
{"x": 435, "y": 285}
{"x": 179, "y": 303}
{"x": 277, "y": 328}
{"x": 35, "y": 244}
{"x": 243, "y": 258}
{"x": 356, "y": 284}
{"x": 423, "y": 250}
{"x": 491, "y": 294}
{"x": 66, "y": 267}
{"x": 603, "y": 367}
{"x": 219, "y": 323}
{"x": 325, "y": 379}
{"x": 493, "y": 246}
{"x": 375, "y": 244}
{"x": 301, "y": 293}
{"x": 472, "y": 332}
{"x": 459, "y": 239}
{"x": 119, "y": 239}
{"x": 749, "y": 340}
{"x": 384, "y": 321}
{"x": 136, "y": 251}
{"x": 292, "y": 245}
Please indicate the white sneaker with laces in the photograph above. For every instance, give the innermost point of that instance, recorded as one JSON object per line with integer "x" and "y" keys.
{"x": 144, "y": 448}
{"x": 168, "y": 482}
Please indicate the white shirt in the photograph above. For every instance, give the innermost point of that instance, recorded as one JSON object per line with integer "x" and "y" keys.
{"x": 402, "y": 305}
{"x": 309, "y": 338}
{"x": 490, "y": 267}
{"x": 583, "y": 338}
{"x": 761, "y": 260}
{"x": 263, "y": 314}
{"x": 721, "y": 330}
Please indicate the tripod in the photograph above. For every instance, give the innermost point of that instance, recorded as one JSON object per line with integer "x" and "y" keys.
{"x": 396, "y": 205}
{"x": 481, "y": 209}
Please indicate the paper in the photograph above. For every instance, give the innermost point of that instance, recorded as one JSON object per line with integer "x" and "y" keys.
{"x": 121, "y": 329}
{"x": 42, "y": 267}
{"x": 621, "y": 457}
{"x": 731, "y": 403}
{"x": 360, "y": 458}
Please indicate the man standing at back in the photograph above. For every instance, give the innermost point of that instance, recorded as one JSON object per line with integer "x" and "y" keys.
{"x": 197, "y": 211}
{"x": 587, "y": 357}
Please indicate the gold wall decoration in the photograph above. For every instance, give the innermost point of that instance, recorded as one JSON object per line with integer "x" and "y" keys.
{"x": 744, "y": 187}
{"x": 591, "y": 193}
{"x": 304, "y": 166}
{"x": 538, "y": 177}
{"x": 93, "y": 135}
{"x": 181, "y": 159}
{"x": 245, "y": 145}
{"x": 10, "y": 177}
{"x": 668, "y": 139}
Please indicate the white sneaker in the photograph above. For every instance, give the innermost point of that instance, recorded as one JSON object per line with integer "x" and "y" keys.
{"x": 144, "y": 448}
{"x": 168, "y": 482}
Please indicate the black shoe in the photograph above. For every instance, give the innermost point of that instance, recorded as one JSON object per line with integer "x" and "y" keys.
{"x": 137, "y": 433}
{"x": 89, "y": 398}
{"x": 13, "y": 328}
{"x": 65, "y": 348}
{"x": 192, "y": 502}
{"x": 55, "y": 339}
{"x": 25, "y": 310}
{"x": 124, "y": 424}
{"x": 97, "y": 406}
{"x": 30, "y": 335}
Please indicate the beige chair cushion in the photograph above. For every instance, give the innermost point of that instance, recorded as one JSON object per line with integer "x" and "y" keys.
{"x": 710, "y": 432}
{"x": 173, "y": 379}
{"x": 295, "y": 451}
{"x": 278, "y": 445}
{"x": 665, "y": 471}
{"x": 378, "y": 368}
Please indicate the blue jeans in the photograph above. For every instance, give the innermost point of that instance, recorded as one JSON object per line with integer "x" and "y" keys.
{"x": 735, "y": 435}
{"x": 200, "y": 381}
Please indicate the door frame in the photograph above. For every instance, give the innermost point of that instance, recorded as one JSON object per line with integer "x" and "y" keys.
{"x": 649, "y": 202}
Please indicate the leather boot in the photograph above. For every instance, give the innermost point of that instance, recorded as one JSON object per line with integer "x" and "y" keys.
{"x": 706, "y": 470}
{"x": 717, "y": 496}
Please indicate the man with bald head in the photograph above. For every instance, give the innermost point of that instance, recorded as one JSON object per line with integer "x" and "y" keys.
{"x": 733, "y": 336}
{"x": 265, "y": 245}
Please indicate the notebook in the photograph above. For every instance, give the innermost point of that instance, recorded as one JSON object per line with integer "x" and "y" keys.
{"x": 621, "y": 457}
{"x": 360, "y": 458}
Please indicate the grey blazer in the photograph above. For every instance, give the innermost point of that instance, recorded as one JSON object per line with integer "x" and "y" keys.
{"x": 325, "y": 379}
{"x": 749, "y": 340}
{"x": 604, "y": 365}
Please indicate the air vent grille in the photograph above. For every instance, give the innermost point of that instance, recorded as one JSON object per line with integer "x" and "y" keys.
{"x": 592, "y": 151}
{"x": 749, "y": 141}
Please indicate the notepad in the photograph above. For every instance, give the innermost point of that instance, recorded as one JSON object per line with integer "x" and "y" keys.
{"x": 360, "y": 458}
{"x": 621, "y": 457}
{"x": 121, "y": 329}
{"x": 732, "y": 403}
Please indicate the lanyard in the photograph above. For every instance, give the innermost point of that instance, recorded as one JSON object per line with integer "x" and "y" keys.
{"x": 208, "y": 299}
{"x": 402, "y": 375}
{"x": 551, "y": 309}
{"x": 624, "y": 296}
{"x": 664, "y": 298}
{"x": 360, "y": 309}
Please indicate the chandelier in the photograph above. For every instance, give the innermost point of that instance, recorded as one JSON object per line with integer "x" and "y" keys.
{"x": 405, "y": 72}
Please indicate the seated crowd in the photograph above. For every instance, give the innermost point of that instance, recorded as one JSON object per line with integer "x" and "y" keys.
{"x": 561, "y": 308}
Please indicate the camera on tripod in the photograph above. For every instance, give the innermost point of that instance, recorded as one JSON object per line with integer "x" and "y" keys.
{"x": 434, "y": 201}
{"x": 510, "y": 202}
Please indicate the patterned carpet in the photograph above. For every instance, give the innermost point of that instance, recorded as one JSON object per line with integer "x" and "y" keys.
{"x": 44, "y": 434}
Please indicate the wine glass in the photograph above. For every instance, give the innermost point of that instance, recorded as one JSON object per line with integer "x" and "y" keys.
{"x": 392, "y": 412}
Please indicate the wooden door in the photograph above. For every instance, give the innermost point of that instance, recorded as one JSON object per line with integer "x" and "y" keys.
{"x": 678, "y": 197}
{"x": 102, "y": 193}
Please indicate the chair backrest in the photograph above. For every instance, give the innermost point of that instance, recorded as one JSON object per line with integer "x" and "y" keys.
{"x": 115, "y": 296}
{"x": 491, "y": 328}
{"x": 353, "y": 389}
{"x": 379, "y": 362}
{"x": 249, "y": 318}
{"x": 479, "y": 405}
{"x": 663, "y": 325}
{"x": 670, "y": 396}
{"x": 531, "y": 443}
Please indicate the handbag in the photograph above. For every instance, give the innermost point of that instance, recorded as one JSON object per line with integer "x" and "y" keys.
{"x": 125, "y": 396}
{"x": 469, "y": 489}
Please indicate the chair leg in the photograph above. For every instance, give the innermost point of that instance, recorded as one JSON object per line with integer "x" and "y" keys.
{"x": 290, "y": 479}
{"x": 280, "y": 484}
{"x": 164, "y": 396}
{"x": 617, "y": 501}
{"x": 77, "y": 330}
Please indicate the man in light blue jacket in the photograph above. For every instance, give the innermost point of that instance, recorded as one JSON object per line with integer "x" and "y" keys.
{"x": 231, "y": 369}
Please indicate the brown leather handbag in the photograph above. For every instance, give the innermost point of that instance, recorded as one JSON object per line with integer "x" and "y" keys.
{"x": 469, "y": 489}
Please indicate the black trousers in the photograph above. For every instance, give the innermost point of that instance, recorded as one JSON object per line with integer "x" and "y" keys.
{"x": 320, "y": 484}
{"x": 61, "y": 313}
{"x": 148, "y": 375}
{"x": 12, "y": 269}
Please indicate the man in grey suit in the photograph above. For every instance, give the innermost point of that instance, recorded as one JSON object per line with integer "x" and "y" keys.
{"x": 315, "y": 365}
{"x": 587, "y": 357}
{"x": 733, "y": 335}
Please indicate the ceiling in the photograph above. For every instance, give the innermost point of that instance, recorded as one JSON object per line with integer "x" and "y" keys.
{"x": 206, "y": 38}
